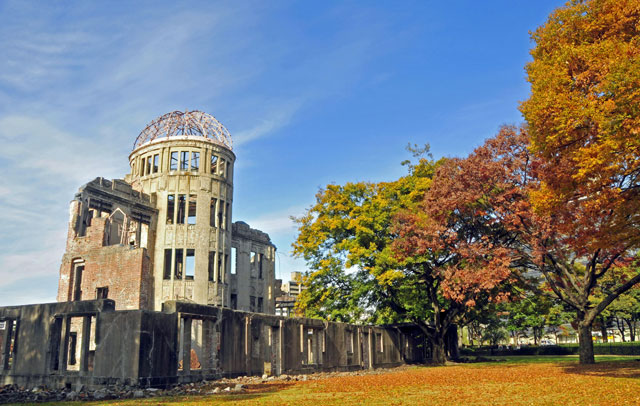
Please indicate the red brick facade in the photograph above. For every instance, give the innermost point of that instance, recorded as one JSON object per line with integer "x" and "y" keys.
{"x": 124, "y": 270}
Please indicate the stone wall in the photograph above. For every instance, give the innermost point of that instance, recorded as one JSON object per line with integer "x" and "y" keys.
{"x": 92, "y": 344}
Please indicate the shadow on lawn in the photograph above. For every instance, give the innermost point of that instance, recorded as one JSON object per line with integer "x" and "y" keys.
{"x": 612, "y": 369}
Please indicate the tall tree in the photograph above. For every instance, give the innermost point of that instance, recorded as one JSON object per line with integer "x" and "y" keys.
{"x": 454, "y": 245}
{"x": 584, "y": 123}
{"x": 345, "y": 238}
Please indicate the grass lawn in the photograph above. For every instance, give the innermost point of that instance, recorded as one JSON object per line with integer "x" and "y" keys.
{"x": 535, "y": 380}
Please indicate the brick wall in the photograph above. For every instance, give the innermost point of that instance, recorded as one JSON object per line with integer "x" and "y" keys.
{"x": 126, "y": 271}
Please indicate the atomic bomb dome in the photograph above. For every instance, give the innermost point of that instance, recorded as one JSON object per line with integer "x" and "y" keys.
{"x": 190, "y": 123}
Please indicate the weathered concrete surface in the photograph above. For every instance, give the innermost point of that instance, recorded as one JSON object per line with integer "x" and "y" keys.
{"x": 187, "y": 342}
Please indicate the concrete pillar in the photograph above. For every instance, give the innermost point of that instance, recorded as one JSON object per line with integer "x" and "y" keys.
{"x": 186, "y": 346}
{"x": 6, "y": 345}
{"x": 63, "y": 353}
{"x": 84, "y": 344}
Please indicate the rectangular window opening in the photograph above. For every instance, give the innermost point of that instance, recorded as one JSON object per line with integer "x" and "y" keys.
{"x": 173, "y": 165}
{"x": 156, "y": 163}
{"x": 102, "y": 292}
{"x": 142, "y": 167}
{"x": 260, "y": 305}
{"x": 191, "y": 215}
{"x": 214, "y": 164}
{"x": 195, "y": 161}
{"x": 78, "y": 269}
{"x": 222, "y": 168}
{"x": 220, "y": 216}
{"x": 167, "y": 263}
{"x": 182, "y": 202}
{"x": 184, "y": 160}
{"x": 234, "y": 264}
{"x": 220, "y": 270}
{"x": 212, "y": 262}
{"x": 171, "y": 208}
{"x": 73, "y": 348}
{"x": 260, "y": 266}
{"x": 234, "y": 301}
{"x": 212, "y": 213}
{"x": 148, "y": 168}
{"x": 190, "y": 265}
{"x": 228, "y": 217}
{"x": 178, "y": 263}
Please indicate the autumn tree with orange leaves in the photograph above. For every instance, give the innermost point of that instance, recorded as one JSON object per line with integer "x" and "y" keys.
{"x": 584, "y": 126}
{"x": 462, "y": 242}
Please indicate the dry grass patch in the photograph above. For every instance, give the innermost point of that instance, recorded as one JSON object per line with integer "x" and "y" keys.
{"x": 565, "y": 383}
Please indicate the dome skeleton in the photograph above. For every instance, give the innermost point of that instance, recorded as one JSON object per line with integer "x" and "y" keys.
{"x": 178, "y": 123}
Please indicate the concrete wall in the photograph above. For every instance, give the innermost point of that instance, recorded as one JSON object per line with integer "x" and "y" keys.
{"x": 90, "y": 343}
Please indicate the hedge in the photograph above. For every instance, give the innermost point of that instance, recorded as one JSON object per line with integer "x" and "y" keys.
{"x": 629, "y": 348}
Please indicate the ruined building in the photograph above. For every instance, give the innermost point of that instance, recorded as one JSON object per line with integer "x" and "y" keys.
{"x": 158, "y": 286}
{"x": 164, "y": 232}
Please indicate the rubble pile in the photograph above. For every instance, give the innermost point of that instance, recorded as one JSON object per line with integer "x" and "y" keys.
{"x": 243, "y": 384}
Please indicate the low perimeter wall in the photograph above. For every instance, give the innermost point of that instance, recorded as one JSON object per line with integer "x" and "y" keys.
{"x": 89, "y": 343}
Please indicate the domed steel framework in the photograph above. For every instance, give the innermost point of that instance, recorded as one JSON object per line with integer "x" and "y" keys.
{"x": 179, "y": 123}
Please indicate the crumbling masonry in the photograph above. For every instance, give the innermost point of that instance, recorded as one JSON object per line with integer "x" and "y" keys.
{"x": 158, "y": 286}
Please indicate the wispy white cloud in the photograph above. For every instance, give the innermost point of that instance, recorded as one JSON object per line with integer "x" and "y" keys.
{"x": 274, "y": 120}
{"x": 276, "y": 222}
{"x": 75, "y": 93}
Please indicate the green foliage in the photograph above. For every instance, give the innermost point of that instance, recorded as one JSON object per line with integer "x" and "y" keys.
{"x": 345, "y": 238}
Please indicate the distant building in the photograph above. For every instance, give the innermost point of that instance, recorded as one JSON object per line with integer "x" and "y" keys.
{"x": 285, "y": 304}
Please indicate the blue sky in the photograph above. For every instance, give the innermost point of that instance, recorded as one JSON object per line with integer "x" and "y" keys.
{"x": 312, "y": 93}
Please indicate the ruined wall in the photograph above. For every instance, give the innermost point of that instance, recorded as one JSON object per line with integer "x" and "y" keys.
{"x": 88, "y": 342}
{"x": 124, "y": 270}
{"x": 253, "y": 285}
{"x": 110, "y": 229}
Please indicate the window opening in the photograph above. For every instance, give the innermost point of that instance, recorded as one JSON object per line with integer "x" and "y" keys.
{"x": 148, "y": 167}
{"x": 102, "y": 292}
{"x": 77, "y": 281}
{"x": 174, "y": 161}
{"x": 234, "y": 264}
{"x": 191, "y": 215}
{"x": 167, "y": 263}
{"x": 219, "y": 267}
{"x": 73, "y": 346}
{"x": 184, "y": 160}
{"x": 182, "y": 200}
{"x": 260, "y": 304}
{"x": 195, "y": 161}
{"x": 171, "y": 207}
{"x": 178, "y": 263}
{"x": 228, "y": 217}
{"x": 142, "y": 167}
{"x": 212, "y": 262}
{"x": 253, "y": 266}
{"x": 234, "y": 301}
{"x": 222, "y": 166}
{"x": 260, "y": 266}
{"x": 156, "y": 163}
{"x": 214, "y": 164}
{"x": 220, "y": 215}
{"x": 212, "y": 213}
{"x": 190, "y": 265}
{"x": 252, "y": 303}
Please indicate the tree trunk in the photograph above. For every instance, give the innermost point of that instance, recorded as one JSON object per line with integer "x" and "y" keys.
{"x": 621, "y": 329}
{"x": 452, "y": 343}
{"x": 632, "y": 330}
{"x": 438, "y": 353}
{"x": 585, "y": 343}
{"x": 603, "y": 331}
